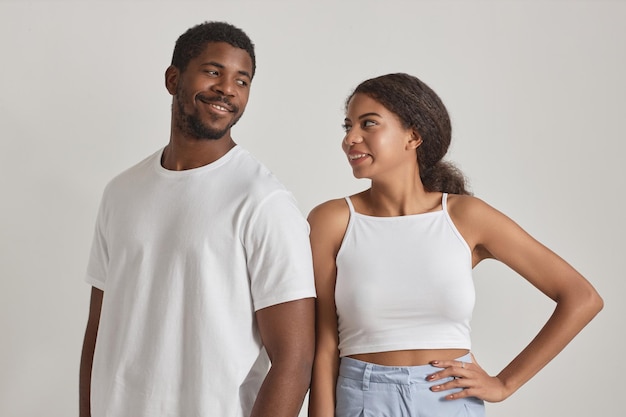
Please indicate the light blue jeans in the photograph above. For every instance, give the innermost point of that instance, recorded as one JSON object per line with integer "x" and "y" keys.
{"x": 369, "y": 390}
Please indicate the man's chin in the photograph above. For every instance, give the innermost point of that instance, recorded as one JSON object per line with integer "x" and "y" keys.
{"x": 202, "y": 132}
{"x": 205, "y": 138}
{"x": 208, "y": 129}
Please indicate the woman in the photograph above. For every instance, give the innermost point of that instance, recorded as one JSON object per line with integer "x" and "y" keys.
{"x": 393, "y": 270}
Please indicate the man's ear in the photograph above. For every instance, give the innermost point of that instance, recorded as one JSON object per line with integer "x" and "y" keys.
{"x": 171, "y": 79}
{"x": 414, "y": 141}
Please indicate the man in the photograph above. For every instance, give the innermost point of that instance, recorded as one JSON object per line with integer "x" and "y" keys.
{"x": 200, "y": 265}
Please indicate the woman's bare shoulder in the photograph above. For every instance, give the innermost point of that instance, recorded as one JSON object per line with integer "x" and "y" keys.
{"x": 329, "y": 213}
{"x": 476, "y": 220}
{"x": 468, "y": 207}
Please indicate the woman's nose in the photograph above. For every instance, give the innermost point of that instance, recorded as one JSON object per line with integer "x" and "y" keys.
{"x": 352, "y": 138}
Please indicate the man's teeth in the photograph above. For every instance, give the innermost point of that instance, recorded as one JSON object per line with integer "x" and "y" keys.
{"x": 357, "y": 156}
{"x": 219, "y": 107}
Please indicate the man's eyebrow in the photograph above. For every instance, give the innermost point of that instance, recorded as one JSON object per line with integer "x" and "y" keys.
{"x": 245, "y": 73}
{"x": 221, "y": 66}
{"x": 213, "y": 63}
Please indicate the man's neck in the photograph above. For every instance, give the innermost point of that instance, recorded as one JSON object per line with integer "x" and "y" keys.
{"x": 181, "y": 154}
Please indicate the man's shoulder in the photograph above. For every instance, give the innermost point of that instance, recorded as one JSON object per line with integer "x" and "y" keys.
{"x": 128, "y": 176}
{"x": 143, "y": 164}
{"x": 256, "y": 175}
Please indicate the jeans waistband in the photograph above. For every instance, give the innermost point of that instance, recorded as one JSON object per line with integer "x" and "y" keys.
{"x": 369, "y": 372}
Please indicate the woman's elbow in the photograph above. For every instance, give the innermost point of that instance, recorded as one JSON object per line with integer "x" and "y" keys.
{"x": 596, "y": 303}
{"x": 590, "y": 303}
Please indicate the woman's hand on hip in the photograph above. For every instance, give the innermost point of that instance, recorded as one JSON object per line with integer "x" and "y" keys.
{"x": 471, "y": 378}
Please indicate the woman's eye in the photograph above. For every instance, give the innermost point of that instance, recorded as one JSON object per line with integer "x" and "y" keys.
{"x": 346, "y": 127}
{"x": 369, "y": 123}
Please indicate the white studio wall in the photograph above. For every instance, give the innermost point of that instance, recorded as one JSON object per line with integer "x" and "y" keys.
{"x": 536, "y": 91}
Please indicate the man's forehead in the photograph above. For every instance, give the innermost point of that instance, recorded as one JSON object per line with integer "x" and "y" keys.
{"x": 223, "y": 54}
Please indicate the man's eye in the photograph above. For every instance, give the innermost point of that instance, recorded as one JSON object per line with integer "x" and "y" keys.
{"x": 242, "y": 83}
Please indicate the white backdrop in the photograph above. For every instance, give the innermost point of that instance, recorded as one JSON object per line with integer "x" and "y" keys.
{"x": 536, "y": 91}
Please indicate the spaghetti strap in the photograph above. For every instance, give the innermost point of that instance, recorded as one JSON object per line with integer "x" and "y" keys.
{"x": 350, "y": 204}
{"x": 444, "y": 202}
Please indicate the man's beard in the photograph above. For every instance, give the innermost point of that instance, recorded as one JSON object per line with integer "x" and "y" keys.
{"x": 191, "y": 124}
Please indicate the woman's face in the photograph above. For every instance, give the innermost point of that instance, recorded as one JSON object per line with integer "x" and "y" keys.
{"x": 376, "y": 143}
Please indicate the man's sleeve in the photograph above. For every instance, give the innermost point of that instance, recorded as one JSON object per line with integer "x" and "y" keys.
{"x": 99, "y": 256}
{"x": 279, "y": 252}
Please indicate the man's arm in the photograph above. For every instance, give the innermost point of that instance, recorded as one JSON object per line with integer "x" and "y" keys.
{"x": 86, "y": 358}
{"x": 288, "y": 334}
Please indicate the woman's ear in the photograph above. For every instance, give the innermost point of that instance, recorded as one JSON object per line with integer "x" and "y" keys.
{"x": 414, "y": 141}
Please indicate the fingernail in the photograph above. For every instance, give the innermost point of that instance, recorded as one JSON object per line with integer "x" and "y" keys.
{"x": 435, "y": 362}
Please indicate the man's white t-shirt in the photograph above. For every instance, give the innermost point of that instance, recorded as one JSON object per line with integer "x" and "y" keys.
{"x": 185, "y": 258}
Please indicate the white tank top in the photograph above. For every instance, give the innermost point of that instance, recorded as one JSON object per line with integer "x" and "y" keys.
{"x": 403, "y": 283}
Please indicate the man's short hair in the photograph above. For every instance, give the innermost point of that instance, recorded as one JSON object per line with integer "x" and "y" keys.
{"x": 191, "y": 43}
